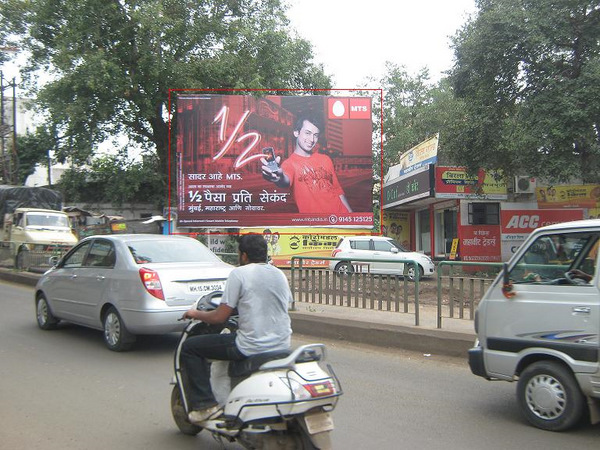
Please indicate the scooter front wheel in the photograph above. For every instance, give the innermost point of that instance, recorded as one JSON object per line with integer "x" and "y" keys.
{"x": 180, "y": 416}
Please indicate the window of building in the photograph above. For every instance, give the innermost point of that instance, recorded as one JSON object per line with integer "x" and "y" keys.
{"x": 484, "y": 213}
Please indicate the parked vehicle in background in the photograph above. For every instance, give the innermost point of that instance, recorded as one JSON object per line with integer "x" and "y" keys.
{"x": 379, "y": 255}
{"x": 128, "y": 285}
{"x": 37, "y": 234}
{"x": 539, "y": 324}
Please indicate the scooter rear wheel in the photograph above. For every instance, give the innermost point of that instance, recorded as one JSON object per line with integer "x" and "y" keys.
{"x": 180, "y": 416}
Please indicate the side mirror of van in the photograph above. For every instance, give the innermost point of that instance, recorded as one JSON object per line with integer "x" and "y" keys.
{"x": 394, "y": 250}
{"x": 507, "y": 287}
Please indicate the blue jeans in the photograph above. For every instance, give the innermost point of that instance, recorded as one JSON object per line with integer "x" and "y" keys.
{"x": 195, "y": 353}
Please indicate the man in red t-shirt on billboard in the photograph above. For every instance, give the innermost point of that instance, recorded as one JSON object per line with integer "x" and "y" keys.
{"x": 309, "y": 175}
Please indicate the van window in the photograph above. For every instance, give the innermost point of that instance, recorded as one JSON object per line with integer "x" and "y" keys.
{"x": 549, "y": 257}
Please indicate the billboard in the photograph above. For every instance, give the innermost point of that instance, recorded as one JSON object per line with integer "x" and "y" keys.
{"x": 247, "y": 161}
{"x": 284, "y": 243}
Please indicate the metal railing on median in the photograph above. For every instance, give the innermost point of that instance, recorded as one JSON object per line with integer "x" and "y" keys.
{"x": 34, "y": 257}
{"x": 358, "y": 288}
{"x": 465, "y": 288}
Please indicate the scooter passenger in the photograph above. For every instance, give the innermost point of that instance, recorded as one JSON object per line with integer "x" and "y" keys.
{"x": 262, "y": 295}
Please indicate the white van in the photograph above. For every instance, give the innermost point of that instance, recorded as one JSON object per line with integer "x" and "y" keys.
{"x": 539, "y": 324}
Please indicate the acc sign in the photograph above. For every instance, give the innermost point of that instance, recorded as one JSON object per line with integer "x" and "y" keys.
{"x": 523, "y": 222}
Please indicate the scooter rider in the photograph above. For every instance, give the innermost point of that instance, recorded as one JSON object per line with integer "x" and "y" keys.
{"x": 262, "y": 295}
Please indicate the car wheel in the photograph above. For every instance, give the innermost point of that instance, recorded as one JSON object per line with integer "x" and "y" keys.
{"x": 549, "y": 396}
{"x": 116, "y": 336}
{"x": 410, "y": 272}
{"x": 180, "y": 416}
{"x": 22, "y": 259}
{"x": 344, "y": 268}
{"x": 45, "y": 318}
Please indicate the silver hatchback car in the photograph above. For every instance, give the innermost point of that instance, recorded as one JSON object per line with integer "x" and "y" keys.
{"x": 127, "y": 285}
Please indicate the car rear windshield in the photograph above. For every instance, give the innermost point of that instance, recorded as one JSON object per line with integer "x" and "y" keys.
{"x": 168, "y": 251}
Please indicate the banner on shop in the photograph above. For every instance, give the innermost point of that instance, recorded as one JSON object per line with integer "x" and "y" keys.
{"x": 569, "y": 196}
{"x": 455, "y": 182}
{"x": 284, "y": 243}
{"x": 517, "y": 224}
{"x": 322, "y": 144}
{"x": 479, "y": 243}
{"x": 419, "y": 156}
{"x": 396, "y": 224}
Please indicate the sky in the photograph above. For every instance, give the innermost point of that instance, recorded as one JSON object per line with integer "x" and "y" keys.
{"x": 353, "y": 39}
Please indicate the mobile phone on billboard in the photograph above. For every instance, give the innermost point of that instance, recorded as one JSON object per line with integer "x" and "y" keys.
{"x": 270, "y": 157}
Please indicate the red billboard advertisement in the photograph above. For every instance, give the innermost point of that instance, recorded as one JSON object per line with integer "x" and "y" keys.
{"x": 299, "y": 161}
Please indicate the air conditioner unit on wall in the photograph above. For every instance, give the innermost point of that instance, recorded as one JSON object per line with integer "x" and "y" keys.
{"x": 525, "y": 185}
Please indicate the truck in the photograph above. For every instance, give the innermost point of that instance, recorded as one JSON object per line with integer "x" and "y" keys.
{"x": 538, "y": 325}
{"x": 33, "y": 225}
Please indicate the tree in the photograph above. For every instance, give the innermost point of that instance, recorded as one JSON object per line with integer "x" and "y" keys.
{"x": 111, "y": 63}
{"x": 526, "y": 74}
{"x": 415, "y": 109}
{"x": 33, "y": 150}
{"x": 114, "y": 177}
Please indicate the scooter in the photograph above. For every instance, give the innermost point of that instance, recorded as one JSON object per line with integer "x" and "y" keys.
{"x": 275, "y": 400}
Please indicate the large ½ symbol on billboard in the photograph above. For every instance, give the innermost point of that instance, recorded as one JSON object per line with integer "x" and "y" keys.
{"x": 223, "y": 117}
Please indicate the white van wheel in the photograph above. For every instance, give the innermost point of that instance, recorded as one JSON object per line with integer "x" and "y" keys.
{"x": 549, "y": 396}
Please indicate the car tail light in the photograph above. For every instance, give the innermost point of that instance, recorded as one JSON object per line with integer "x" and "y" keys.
{"x": 335, "y": 252}
{"x": 151, "y": 282}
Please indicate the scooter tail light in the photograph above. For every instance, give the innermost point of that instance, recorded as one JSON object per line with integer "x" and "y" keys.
{"x": 151, "y": 282}
{"x": 321, "y": 389}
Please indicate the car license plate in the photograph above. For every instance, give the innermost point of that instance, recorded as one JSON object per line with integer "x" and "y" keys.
{"x": 205, "y": 287}
{"x": 319, "y": 422}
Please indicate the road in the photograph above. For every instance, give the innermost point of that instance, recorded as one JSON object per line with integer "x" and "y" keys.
{"x": 63, "y": 390}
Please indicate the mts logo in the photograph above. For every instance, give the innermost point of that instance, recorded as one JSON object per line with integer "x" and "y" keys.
{"x": 524, "y": 221}
{"x": 354, "y": 108}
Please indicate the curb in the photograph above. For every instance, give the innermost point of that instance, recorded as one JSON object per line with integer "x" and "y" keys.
{"x": 14, "y": 276}
{"x": 392, "y": 336}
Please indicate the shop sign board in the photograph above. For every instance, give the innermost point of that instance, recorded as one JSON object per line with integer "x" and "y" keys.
{"x": 456, "y": 182}
{"x": 413, "y": 186}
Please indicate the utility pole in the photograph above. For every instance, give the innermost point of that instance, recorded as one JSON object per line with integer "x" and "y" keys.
{"x": 10, "y": 162}
{"x": 9, "y": 159}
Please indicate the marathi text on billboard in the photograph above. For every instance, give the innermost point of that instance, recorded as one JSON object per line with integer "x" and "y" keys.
{"x": 285, "y": 243}
{"x": 274, "y": 161}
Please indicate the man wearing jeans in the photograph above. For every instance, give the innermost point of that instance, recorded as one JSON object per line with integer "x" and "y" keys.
{"x": 262, "y": 295}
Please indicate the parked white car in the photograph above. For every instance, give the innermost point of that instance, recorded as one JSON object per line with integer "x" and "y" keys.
{"x": 128, "y": 284}
{"x": 379, "y": 255}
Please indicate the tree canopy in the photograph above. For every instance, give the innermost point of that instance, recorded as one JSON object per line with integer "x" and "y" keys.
{"x": 110, "y": 63}
{"x": 415, "y": 109}
{"x": 527, "y": 75}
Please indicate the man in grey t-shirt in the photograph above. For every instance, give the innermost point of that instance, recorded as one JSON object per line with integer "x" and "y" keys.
{"x": 262, "y": 295}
